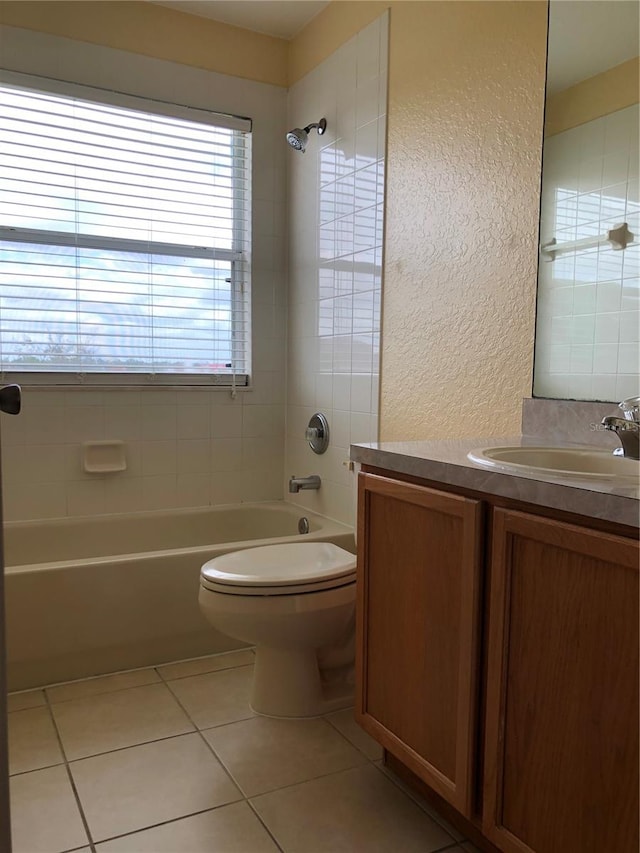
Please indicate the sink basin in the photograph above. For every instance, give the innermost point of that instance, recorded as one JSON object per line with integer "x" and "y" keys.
{"x": 583, "y": 463}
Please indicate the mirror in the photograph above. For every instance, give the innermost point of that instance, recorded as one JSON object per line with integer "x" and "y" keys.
{"x": 588, "y": 307}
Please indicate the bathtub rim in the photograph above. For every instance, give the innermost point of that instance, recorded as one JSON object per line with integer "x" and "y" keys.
{"x": 327, "y": 527}
{"x": 67, "y": 520}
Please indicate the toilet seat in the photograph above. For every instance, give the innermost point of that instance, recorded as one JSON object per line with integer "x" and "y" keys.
{"x": 290, "y": 589}
{"x": 287, "y": 569}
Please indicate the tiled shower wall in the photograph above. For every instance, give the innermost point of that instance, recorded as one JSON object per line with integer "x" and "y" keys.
{"x": 200, "y": 447}
{"x": 588, "y": 324}
{"x": 335, "y": 204}
{"x": 184, "y": 447}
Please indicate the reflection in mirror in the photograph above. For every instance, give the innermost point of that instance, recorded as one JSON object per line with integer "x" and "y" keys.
{"x": 588, "y": 313}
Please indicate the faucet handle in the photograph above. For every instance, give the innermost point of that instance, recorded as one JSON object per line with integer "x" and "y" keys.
{"x": 631, "y": 409}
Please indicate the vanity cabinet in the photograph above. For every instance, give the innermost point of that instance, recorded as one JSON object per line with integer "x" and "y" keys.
{"x": 498, "y": 661}
{"x": 417, "y": 614}
{"x": 561, "y": 755}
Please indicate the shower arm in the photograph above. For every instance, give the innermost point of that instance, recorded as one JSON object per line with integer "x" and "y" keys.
{"x": 321, "y": 125}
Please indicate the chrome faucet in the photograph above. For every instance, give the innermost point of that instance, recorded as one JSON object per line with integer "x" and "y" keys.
{"x": 626, "y": 428}
{"x": 297, "y": 483}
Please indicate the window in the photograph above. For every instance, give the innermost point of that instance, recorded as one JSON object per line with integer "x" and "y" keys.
{"x": 124, "y": 239}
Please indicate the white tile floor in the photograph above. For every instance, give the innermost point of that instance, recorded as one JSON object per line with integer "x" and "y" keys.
{"x": 171, "y": 759}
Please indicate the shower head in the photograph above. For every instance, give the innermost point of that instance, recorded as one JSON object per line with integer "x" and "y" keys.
{"x": 299, "y": 136}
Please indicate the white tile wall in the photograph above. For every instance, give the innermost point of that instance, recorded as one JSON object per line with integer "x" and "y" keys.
{"x": 195, "y": 447}
{"x": 589, "y": 301}
{"x": 336, "y": 195}
{"x": 184, "y": 448}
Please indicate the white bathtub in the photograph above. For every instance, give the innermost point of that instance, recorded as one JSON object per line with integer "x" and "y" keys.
{"x": 86, "y": 596}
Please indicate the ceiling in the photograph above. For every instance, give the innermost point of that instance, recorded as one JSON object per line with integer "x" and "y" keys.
{"x": 281, "y": 18}
{"x": 587, "y": 37}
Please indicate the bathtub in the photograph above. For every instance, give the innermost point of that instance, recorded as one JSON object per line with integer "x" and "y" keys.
{"x": 88, "y": 596}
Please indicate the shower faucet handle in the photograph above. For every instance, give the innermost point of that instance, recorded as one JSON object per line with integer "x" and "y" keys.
{"x": 317, "y": 433}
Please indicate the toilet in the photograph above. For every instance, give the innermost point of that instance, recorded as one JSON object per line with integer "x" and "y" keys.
{"x": 295, "y": 603}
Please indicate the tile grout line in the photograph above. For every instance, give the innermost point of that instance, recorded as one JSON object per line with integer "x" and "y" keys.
{"x": 282, "y": 787}
{"x": 101, "y": 693}
{"x": 206, "y": 742}
{"x": 376, "y": 763}
{"x": 44, "y": 687}
{"x": 248, "y": 799}
{"x": 425, "y": 807}
{"x": 237, "y": 783}
{"x": 166, "y": 680}
{"x": 306, "y": 781}
{"x": 193, "y": 723}
{"x": 132, "y": 745}
{"x": 449, "y": 846}
{"x": 54, "y": 684}
{"x": 164, "y": 823}
{"x": 333, "y": 726}
{"x": 36, "y": 769}
{"x": 161, "y": 680}
{"x": 196, "y": 730}
{"x": 263, "y": 824}
{"x": 129, "y": 746}
{"x": 83, "y": 817}
{"x": 245, "y": 799}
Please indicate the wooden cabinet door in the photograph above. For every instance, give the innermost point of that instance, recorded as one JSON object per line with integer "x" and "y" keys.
{"x": 419, "y": 557}
{"x": 561, "y": 757}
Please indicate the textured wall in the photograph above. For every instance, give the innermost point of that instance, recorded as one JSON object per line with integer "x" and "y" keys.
{"x": 466, "y": 87}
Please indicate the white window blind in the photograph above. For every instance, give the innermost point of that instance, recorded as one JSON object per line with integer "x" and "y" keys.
{"x": 124, "y": 240}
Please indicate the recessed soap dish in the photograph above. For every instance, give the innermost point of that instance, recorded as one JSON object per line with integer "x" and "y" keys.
{"x": 103, "y": 457}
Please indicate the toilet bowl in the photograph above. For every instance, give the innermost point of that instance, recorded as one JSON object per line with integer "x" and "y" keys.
{"x": 296, "y": 604}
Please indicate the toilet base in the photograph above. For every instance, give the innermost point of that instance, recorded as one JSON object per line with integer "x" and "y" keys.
{"x": 288, "y": 683}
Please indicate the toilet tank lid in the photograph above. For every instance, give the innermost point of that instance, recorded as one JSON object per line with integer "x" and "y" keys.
{"x": 290, "y": 563}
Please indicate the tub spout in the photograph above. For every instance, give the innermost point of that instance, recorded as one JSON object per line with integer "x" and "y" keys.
{"x": 297, "y": 483}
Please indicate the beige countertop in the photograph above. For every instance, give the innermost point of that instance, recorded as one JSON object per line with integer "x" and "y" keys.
{"x": 447, "y": 462}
